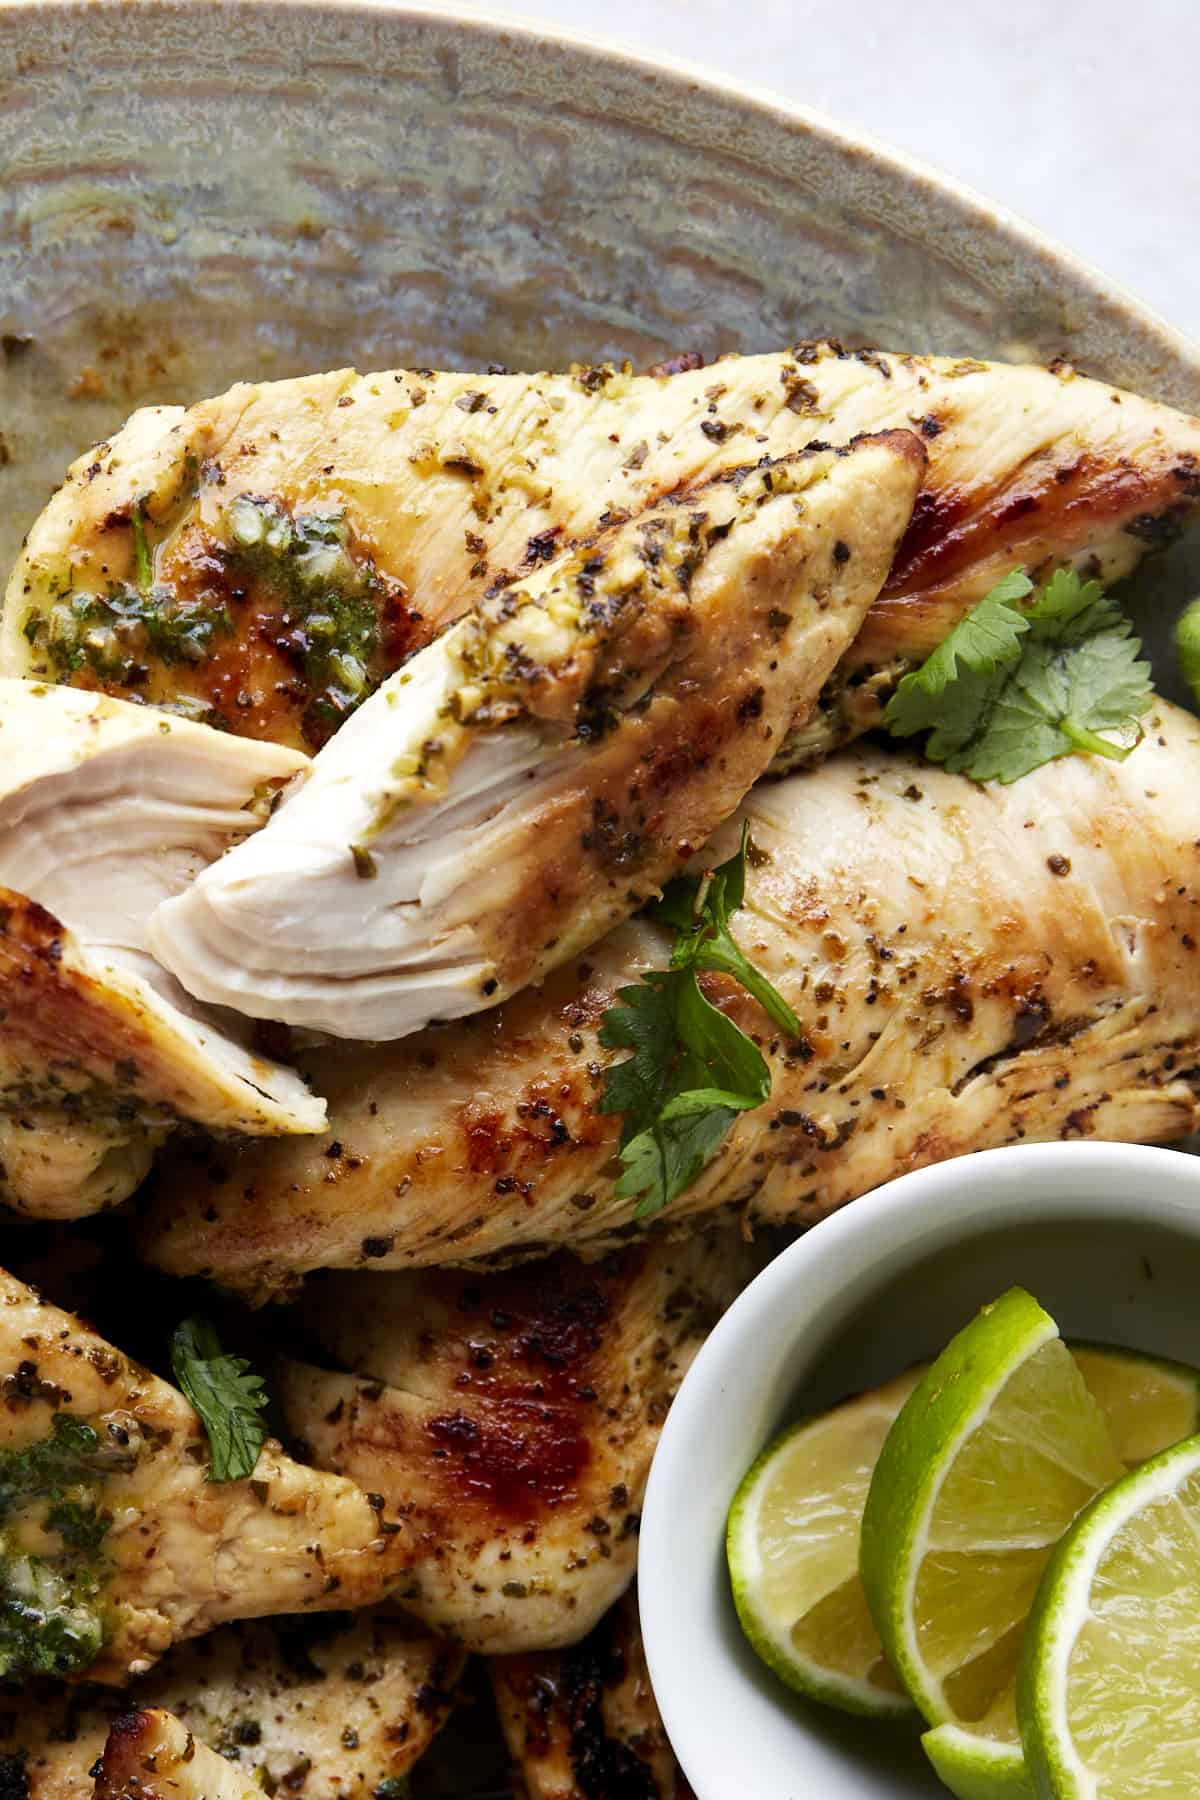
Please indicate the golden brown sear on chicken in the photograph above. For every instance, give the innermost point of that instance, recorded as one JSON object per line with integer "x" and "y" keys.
{"x": 534, "y": 775}
{"x": 325, "y": 1707}
{"x": 510, "y": 1419}
{"x": 971, "y": 965}
{"x": 98, "y": 1066}
{"x": 152, "y": 1755}
{"x": 266, "y": 557}
{"x": 106, "y": 809}
{"x": 117, "y": 1543}
{"x": 582, "y": 1724}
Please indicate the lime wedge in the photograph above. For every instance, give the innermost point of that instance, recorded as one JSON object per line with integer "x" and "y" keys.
{"x": 1149, "y": 1403}
{"x": 998, "y": 1448}
{"x": 1110, "y": 1677}
{"x": 977, "y": 1768}
{"x": 794, "y": 1532}
{"x": 792, "y": 1545}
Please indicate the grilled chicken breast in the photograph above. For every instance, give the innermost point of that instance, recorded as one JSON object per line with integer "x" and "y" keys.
{"x": 152, "y": 1755}
{"x": 971, "y": 965}
{"x": 97, "y": 1065}
{"x": 117, "y": 1543}
{"x": 537, "y": 772}
{"x": 106, "y": 810}
{"x": 510, "y": 1420}
{"x": 327, "y": 1707}
{"x": 581, "y": 1723}
{"x": 268, "y": 556}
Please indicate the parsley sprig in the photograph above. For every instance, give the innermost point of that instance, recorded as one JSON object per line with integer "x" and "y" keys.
{"x": 1013, "y": 686}
{"x": 692, "y": 1069}
{"x": 226, "y": 1393}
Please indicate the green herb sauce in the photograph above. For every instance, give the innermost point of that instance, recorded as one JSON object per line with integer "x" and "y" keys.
{"x": 113, "y": 633}
{"x": 330, "y": 600}
{"x": 51, "y": 1622}
{"x": 321, "y": 602}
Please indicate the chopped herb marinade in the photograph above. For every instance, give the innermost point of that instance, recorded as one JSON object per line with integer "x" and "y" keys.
{"x": 325, "y": 602}
{"x": 331, "y": 600}
{"x": 51, "y": 1622}
{"x": 113, "y": 633}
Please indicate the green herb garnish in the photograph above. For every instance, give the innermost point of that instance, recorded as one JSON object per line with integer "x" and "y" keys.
{"x": 332, "y": 600}
{"x": 142, "y": 564}
{"x": 228, "y": 1396}
{"x": 1013, "y": 687}
{"x": 51, "y": 1618}
{"x": 692, "y": 1069}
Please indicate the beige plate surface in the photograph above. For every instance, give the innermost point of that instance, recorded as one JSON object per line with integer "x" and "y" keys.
{"x": 194, "y": 192}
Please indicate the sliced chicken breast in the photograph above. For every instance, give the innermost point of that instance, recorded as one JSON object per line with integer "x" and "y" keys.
{"x": 325, "y": 1706}
{"x": 537, "y": 772}
{"x": 117, "y": 1543}
{"x": 582, "y": 1724}
{"x": 510, "y": 1419}
{"x": 152, "y": 1755}
{"x": 98, "y": 1064}
{"x": 971, "y": 965}
{"x": 268, "y": 556}
{"x": 51, "y": 1168}
{"x": 106, "y": 810}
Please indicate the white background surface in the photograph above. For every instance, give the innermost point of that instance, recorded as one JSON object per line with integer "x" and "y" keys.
{"x": 1083, "y": 115}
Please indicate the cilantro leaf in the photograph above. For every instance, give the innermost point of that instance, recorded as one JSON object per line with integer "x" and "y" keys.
{"x": 228, "y": 1396}
{"x": 718, "y": 1048}
{"x": 1070, "y": 610}
{"x": 721, "y": 954}
{"x": 692, "y": 1069}
{"x": 1003, "y": 695}
{"x": 700, "y": 910}
{"x": 1055, "y": 704}
{"x": 663, "y": 1160}
{"x": 955, "y": 684}
{"x": 644, "y": 1022}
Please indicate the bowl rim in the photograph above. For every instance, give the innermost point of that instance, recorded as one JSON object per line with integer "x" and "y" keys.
{"x": 987, "y": 215}
{"x": 898, "y": 1213}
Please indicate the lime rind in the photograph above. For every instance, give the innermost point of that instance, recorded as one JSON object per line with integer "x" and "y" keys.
{"x": 1143, "y": 1397}
{"x": 770, "y": 1639}
{"x": 1062, "y": 1606}
{"x": 952, "y": 1399}
{"x": 975, "y": 1768}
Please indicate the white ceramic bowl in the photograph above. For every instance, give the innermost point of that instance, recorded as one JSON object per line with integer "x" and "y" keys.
{"x": 1107, "y": 1236}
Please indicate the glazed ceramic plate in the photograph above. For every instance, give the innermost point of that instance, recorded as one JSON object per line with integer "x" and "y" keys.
{"x": 200, "y": 191}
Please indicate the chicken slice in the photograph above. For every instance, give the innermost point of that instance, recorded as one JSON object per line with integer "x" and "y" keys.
{"x": 52, "y": 1168}
{"x": 152, "y": 1755}
{"x": 510, "y": 1419}
{"x": 98, "y": 1064}
{"x": 268, "y": 556}
{"x": 972, "y": 965}
{"x": 328, "y": 1707}
{"x": 114, "y": 1542}
{"x": 582, "y": 1724}
{"x": 534, "y": 775}
{"x": 106, "y": 810}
